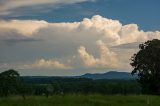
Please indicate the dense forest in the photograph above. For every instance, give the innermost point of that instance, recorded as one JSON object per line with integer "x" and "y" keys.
{"x": 58, "y": 85}
{"x": 13, "y": 84}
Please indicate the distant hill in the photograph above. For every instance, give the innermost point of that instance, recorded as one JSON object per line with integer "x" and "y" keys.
{"x": 109, "y": 75}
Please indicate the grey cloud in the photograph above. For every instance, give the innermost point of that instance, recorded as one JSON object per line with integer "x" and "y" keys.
{"x": 18, "y": 40}
{"x": 9, "y": 6}
{"x": 133, "y": 45}
{"x": 11, "y": 36}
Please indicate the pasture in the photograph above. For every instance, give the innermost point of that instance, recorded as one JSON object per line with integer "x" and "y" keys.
{"x": 82, "y": 100}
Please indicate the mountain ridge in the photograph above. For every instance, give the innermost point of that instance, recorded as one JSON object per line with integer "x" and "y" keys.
{"x": 109, "y": 75}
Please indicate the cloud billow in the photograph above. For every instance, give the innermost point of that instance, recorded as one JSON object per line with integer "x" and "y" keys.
{"x": 98, "y": 42}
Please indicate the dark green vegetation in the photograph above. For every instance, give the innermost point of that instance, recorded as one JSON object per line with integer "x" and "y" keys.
{"x": 146, "y": 64}
{"x": 13, "y": 84}
{"x": 82, "y": 100}
{"x": 81, "y": 86}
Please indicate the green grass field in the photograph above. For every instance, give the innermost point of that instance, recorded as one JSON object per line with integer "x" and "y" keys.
{"x": 82, "y": 100}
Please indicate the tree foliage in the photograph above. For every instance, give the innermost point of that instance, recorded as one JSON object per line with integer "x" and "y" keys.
{"x": 146, "y": 65}
{"x": 10, "y": 83}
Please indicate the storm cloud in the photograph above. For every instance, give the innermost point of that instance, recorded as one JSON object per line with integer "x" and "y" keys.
{"x": 96, "y": 43}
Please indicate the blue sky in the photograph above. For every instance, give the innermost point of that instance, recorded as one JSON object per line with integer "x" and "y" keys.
{"x": 73, "y": 37}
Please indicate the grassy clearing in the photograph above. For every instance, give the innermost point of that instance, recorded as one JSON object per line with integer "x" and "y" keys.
{"x": 82, "y": 100}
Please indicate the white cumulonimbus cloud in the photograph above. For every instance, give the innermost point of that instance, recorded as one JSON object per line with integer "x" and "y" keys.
{"x": 24, "y": 27}
{"x": 101, "y": 42}
{"x": 38, "y": 64}
{"x": 110, "y": 31}
{"x": 52, "y": 64}
{"x": 107, "y": 58}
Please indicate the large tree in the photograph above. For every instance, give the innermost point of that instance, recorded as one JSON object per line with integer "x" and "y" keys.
{"x": 11, "y": 83}
{"x": 146, "y": 65}
{"x": 8, "y": 82}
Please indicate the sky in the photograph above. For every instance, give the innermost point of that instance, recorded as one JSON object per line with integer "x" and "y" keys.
{"x": 74, "y": 37}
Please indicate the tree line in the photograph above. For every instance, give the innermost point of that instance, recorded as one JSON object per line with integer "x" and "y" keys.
{"x": 12, "y": 84}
